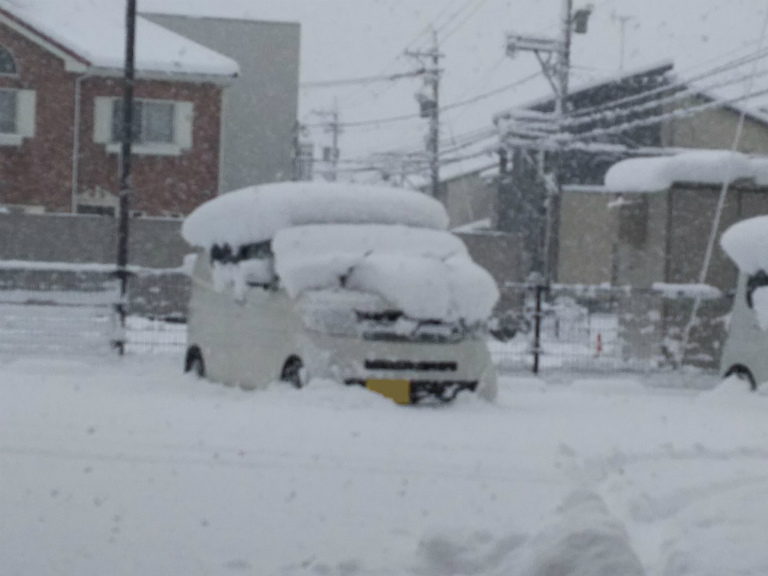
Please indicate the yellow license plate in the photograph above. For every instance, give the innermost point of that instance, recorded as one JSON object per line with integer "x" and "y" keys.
{"x": 397, "y": 390}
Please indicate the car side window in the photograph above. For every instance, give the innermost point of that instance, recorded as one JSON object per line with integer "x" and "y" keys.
{"x": 757, "y": 280}
{"x": 255, "y": 262}
{"x": 225, "y": 254}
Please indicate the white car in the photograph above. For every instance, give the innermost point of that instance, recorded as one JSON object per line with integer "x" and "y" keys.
{"x": 358, "y": 284}
{"x": 745, "y": 353}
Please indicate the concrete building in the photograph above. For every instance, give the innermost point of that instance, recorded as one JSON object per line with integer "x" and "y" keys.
{"x": 261, "y": 108}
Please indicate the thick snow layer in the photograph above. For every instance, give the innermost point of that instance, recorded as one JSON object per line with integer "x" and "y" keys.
{"x": 703, "y": 291}
{"x": 425, "y": 273}
{"x": 746, "y": 243}
{"x": 130, "y": 467}
{"x": 657, "y": 174}
{"x": 256, "y": 213}
{"x": 94, "y": 30}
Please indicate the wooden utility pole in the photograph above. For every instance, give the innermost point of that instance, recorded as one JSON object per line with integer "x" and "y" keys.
{"x": 125, "y": 165}
{"x": 554, "y": 55}
{"x": 331, "y": 154}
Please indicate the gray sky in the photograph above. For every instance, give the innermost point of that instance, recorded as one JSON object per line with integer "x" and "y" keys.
{"x": 357, "y": 38}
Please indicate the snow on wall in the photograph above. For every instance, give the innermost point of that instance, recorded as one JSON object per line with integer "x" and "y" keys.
{"x": 256, "y": 213}
{"x": 746, "y": 243}
{"x": 95, "y": 31}
{"x": 427, "y": 274}
{"x": 702, "y": 167}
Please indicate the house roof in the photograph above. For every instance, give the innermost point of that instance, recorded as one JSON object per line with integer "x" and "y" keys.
{"x": 653, "y": 70}
{"x": 93, "y": 33}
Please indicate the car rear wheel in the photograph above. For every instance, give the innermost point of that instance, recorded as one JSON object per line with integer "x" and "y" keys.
{"x": 744, "y": 375}
{"x": 294, "y": 372}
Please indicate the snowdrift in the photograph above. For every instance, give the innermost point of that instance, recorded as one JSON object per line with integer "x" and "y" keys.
{"x": 427, "y": 274}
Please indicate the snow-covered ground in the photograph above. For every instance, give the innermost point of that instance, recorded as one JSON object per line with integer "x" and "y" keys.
{"x": 126, "y": 466}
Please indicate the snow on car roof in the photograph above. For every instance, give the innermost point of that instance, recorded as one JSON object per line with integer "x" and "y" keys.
{"x": 94, "y": 30}
{"x": 256, "y": 213}
{"x": 427, "y": 274}
{"x": 746, "y": 243}
{"x": 702, "y": 167}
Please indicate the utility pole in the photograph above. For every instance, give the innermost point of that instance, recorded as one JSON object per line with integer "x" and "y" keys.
{"x": 554, "y": 56}
{"x": 331, "y": 154}
{"x": 430, "y": 108}
{"x": 125, "y": 166}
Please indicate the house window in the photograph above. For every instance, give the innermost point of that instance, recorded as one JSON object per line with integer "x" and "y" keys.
{"x": 153, "y": 122}
{"x": 17, "y": 116}
{"x": 7, "y": 112}
{"x": 160, "y": 127}
{"x": 7, "y": 62}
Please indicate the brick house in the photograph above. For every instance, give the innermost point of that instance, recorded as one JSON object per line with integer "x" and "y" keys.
{"x": 60, "y": 90}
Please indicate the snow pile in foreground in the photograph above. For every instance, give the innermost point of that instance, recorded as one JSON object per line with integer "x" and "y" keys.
{"x": 746, "y": 243}
{"x": 128, "y": 466}
{"x": 256, "y": 213}
{"x": 704, "y": 167}
{"x": 427, "y": 274}
{"x": 586, "y": 541}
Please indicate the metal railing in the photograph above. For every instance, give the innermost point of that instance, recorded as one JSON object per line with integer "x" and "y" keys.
{"x": 602, "y": 328}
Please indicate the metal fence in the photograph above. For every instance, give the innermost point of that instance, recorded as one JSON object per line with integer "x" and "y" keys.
{"x": 58, "y": 309}
{"x": 69, "y": 309}
{"x": 601, "y": 328}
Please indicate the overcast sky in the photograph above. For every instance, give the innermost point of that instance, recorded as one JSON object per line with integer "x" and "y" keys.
{"x": 357, "y": 38}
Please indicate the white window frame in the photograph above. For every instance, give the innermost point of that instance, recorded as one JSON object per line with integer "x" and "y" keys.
{"x": 26, "y": 106}
{"x": 183, "y": 123}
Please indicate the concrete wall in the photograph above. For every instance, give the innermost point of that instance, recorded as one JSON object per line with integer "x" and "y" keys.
{"x": 261, "y": 108}
{"x": 587, "y": 238}
{"x": 469, "y": 198}
{"x": 154, "y": 242}
{"x": 648, "y": 238}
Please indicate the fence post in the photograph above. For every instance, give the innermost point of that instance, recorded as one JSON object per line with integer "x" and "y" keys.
{"x": 537, "y": 328}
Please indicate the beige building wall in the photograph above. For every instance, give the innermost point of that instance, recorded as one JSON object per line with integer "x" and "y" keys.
{"x": 715, "y": 129}
{"x": 641, "y": 263}
{"x": 587, "y": 238}
{"x": 693, "y": 211}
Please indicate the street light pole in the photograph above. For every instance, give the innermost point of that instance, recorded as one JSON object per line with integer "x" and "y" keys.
{"x": 125, "y": 165}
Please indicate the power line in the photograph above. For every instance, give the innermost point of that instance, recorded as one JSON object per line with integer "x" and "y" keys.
{"x": 447, "y": 107}
{"x": 474, "y": 11}
{"x": 363, "y": 80}
{"x": 679, "y": 96}
{"x": 727, "y": 66}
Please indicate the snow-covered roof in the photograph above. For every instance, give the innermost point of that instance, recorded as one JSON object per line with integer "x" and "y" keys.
{"x": 256, "y": 213}
{"x": 746, "y": 243}
{"x": 702, "y": 167}
{"x": 93, "y": 31}
{"x": 427, "y": 274}
{"x": 658, "y": 68}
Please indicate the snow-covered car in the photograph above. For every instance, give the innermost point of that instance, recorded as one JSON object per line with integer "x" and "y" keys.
{"x": 745, "y": 353}
{"x": 359, "y": 284}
